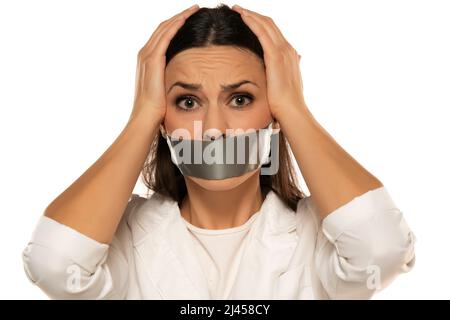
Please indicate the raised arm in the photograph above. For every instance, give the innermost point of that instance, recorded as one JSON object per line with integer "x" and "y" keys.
{"x": 95, "y": 202}
{"x": 333, "y": 177}
{"x": 79, "y": 248}
{"x": 363, "y": 240}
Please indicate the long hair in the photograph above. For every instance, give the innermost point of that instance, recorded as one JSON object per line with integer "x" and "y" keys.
{"x": 215, "y": 26}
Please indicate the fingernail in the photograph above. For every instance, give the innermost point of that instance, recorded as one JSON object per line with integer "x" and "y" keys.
{"x": 194, "y": 6}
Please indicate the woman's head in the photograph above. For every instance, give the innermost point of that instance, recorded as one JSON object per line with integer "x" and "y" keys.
{"x": 215, "y": 75}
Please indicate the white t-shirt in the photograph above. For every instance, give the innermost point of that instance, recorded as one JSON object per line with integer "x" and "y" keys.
{"x": 219, "y": 252}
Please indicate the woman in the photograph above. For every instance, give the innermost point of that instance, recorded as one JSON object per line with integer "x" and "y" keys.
{"x": 214, "y": 230}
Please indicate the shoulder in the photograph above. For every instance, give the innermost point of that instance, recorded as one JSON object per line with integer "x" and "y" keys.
{"x": 306, "y": 214}
{"x": 123, "y": 234}
{"x": 134, "y": 203}
{"x": 282, "y": 218}
{"x": 144, "y": 213}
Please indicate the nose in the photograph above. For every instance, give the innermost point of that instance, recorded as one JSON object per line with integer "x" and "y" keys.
{"x": 214, "y": 123}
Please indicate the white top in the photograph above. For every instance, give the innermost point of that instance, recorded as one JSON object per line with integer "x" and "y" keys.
{"x": 358, "y": 249}
{"x": 220, "y": 252}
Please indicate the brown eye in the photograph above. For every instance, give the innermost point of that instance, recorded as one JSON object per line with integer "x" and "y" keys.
{"x": 187, "y": 103}
{"x": 240, "y": 100}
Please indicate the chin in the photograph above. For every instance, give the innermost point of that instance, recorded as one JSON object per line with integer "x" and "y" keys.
{"x": 223, "y": 184}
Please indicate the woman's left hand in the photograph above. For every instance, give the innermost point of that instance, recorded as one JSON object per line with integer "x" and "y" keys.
{"x": 284, "y": 81}
{"x": 333, "y": 176}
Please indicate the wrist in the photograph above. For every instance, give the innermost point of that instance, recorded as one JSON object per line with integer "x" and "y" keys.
{"x": 289, "y": 110}
{"x": 146, "y": 118}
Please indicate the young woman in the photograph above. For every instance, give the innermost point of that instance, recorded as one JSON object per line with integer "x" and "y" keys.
{"x": 215, "y": 230}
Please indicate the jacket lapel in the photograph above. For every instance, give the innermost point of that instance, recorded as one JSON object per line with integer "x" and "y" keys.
{"x": 169, "y": 255}
{"x": 168, "y": 251}
{"x": 272, "y": 241}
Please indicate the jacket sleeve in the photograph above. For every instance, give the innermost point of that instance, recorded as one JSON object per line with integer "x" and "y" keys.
{"x": 67, "y": 264}
{"x": 362, "y": 246}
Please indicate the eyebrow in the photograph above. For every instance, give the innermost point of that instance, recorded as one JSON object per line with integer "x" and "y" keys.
{"x": 196, "y": 86}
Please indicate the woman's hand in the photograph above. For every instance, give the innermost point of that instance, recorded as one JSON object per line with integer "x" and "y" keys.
{"x": 332, "y": 175}
{"x": 284, "y": 81}
{"x": 150, "y": 95}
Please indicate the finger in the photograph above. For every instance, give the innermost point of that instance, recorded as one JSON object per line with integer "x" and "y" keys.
{"x": 261, "y": 33}
{"x": 267, "y": 23}
{"x": 171, "y": 29}
{"x": 162, "y": 43}
{"x": 159, "y": 47}
{"x": 163, "y": 25}
{"x": 176, "y": 23}
{"x": 271, "y": 23}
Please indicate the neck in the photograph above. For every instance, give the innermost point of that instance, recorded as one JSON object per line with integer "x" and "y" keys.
{"x": 210, "y": 209}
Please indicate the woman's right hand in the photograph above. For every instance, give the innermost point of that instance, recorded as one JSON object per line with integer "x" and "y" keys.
{"x": 150, "y": 95}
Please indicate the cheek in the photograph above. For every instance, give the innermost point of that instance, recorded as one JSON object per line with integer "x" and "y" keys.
{"x": 262, "y": 114}
{"x": 264, "y": 110}
{"x": 176, "y": 119}
{"x": 257, "y": 116}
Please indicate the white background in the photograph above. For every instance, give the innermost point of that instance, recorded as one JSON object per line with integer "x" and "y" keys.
{"x": 376, "y": 75}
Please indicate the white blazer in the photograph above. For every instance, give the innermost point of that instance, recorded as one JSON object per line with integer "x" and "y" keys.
{"x": 356, "y": 250}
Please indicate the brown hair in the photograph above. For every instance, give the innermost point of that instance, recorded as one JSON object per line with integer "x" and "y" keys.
{"x": 217, "y": 26}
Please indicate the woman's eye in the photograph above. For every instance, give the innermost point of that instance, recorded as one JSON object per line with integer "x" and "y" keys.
{"x": 240, "y": 100}
{"x": 188, "y": 103}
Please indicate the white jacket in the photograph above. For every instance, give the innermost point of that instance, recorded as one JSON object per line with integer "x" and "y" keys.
{"x": 357, "y": 249}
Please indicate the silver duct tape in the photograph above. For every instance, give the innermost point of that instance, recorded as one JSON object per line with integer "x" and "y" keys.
{"x": 227, "y": 157}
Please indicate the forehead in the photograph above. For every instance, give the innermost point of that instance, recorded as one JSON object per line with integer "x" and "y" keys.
{"x": 213, "y": 61}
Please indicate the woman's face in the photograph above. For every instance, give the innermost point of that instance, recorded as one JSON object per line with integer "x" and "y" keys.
{"x": 213, "y": 107}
